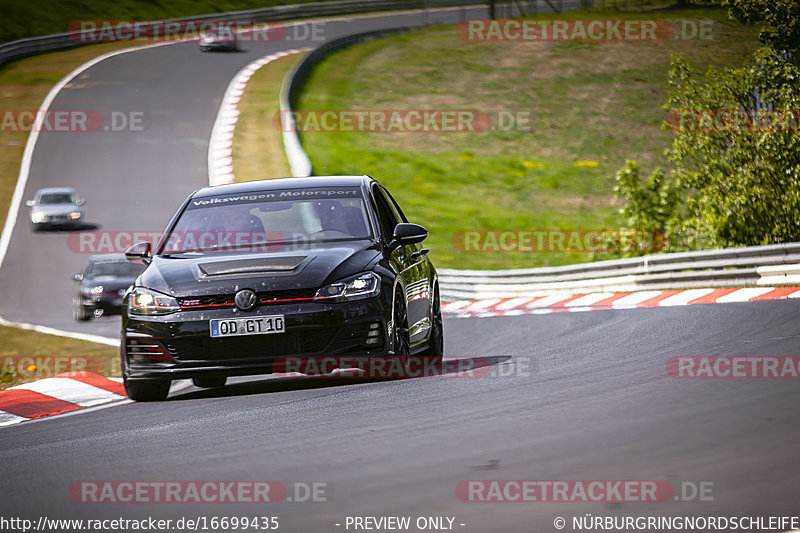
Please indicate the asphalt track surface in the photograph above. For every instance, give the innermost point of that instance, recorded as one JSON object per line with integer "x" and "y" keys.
{"x": 566, "y": 396}
{"x": 561, "y": 396}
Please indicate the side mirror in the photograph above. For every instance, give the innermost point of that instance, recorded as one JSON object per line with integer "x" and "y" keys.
{"x": 78, "y": 277}
{"x": 139, "y": 253}
{"x": 30, "y": 203}
{"x": 405, "y": 233}
{"x": 80, "y": 202}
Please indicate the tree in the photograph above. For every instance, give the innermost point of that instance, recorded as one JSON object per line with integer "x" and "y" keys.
{"x": 734, "y": 176}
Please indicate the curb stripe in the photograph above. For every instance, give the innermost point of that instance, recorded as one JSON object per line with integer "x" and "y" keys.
{"x": 60, "y": 394}
{"x": 683, "y": 298}
{"x": 96, "y": 380}
{"x": 655, "y": 302}
{"x": 713, "y": 296}
{"x": 30, "y": 404}
{"x": 561, "y": 303}
{"x": 776, "y": 294}
{"x": 71, "y": 391}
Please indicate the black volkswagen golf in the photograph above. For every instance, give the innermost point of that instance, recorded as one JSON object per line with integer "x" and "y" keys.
{"x": 248, "y": 274}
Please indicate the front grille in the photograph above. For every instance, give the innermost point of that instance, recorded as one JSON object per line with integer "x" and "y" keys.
{"x": 307, "y": 342}
{"x": 222, "y": 300}
{"x": 291, "y": 294}
{"x": 207, "y": 301}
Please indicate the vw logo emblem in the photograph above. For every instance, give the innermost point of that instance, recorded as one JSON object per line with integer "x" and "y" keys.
{"x": 245, "y": 299}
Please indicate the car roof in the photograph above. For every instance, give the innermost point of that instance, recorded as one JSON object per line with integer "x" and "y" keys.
{"x": 48, "y": 190}
{"x": 107, "y": 258}
{"x": 283, "y": 183}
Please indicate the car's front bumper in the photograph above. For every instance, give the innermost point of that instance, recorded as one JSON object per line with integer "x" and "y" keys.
{"x": 110, "y": 305}
{"x": 179, "y": 345}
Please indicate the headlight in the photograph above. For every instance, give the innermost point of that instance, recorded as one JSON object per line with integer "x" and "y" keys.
{"x": 361, "y": 286}
{"x": 147, "y": 302}
{"x": 96, "y": 290}
{"x": 38, "y": 217}
{"x": 75, "y": 215}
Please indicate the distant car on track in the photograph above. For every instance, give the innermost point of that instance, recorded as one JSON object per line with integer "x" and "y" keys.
{"x": 252, "y": 272}
{"x": 102, "y": 284}
{"x": 222, "y": 37}
{"x": 56, "y": 207}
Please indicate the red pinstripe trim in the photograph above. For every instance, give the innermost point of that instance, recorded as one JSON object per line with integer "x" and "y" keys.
{"x": 206, "y": 305}
{"x": 293, "y": 299}
{"x": 260, "y": 301}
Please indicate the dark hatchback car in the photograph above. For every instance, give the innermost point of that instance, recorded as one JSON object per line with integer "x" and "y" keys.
{"x": 102, "y": 285}
{"x": 250, "y": 273}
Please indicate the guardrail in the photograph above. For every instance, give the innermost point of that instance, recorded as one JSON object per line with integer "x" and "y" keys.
{"x": 20, "y": 48}
{"x": 771, "y": 265}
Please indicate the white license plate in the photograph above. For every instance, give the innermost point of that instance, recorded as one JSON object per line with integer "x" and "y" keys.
{"x": 257, "y": 325}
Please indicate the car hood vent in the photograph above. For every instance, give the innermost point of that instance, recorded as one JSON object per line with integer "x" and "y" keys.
{"x": 247, "y": 266}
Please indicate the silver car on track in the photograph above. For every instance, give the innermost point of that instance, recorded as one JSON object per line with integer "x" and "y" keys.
{"x": 56, "y": 207}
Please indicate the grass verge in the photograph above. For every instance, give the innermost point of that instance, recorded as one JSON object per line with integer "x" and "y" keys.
{"x": 589, "y": 106}
{"x": 258, "y": 140}
{"x": 28, "y": 355}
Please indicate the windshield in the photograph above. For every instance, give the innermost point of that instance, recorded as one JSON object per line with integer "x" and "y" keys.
{"x": 264, "y": 221}
{"x": 116, "y": 269}
{"x": 55, "y": 198}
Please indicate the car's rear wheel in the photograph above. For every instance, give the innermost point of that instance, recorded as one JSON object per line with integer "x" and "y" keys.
{"x": 147, "y": 391}
{"x": 209, "y": 382}
{"x": 435, "y": 350}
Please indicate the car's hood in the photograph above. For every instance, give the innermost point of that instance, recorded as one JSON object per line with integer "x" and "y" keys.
{"x": 55, "y": 209}
{"x": 311, "y": 266}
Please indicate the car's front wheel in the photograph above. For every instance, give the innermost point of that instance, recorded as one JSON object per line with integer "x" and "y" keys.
{"x": 81, "y": 313}
{"x": 147, "y": 391}
{"x": 400, "y": 339}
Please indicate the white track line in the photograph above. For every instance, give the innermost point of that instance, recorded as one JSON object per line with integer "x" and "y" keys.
{"x": 61, "y": 333}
